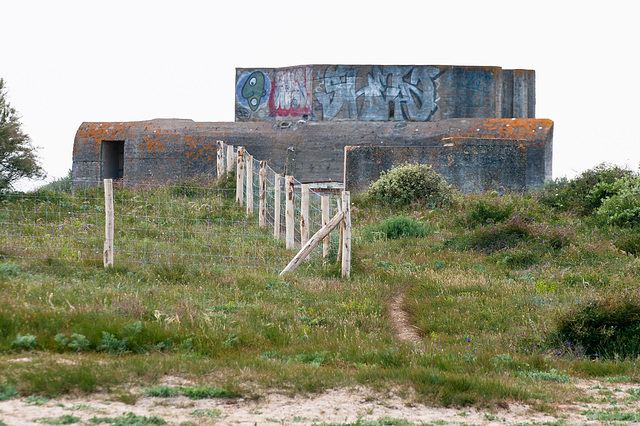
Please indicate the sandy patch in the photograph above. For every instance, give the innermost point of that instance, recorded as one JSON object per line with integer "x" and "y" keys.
{"x": 334, "y": 406}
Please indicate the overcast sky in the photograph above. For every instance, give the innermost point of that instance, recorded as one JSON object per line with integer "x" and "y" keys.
{"x": 65, "y": 62}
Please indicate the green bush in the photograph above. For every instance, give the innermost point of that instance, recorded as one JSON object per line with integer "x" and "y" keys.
{"x": 410, "y": 183}
{"x": 622, "y": 206}
{"x": 396, "y": 227}
{"x": 607, "y": 325}
{"x": 584, "y": 193}
{"x": 485, "y": 212}
{"x": 492, "y": 238}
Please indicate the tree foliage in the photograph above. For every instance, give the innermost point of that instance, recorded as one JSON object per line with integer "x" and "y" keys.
{"x": 17, "y": 155}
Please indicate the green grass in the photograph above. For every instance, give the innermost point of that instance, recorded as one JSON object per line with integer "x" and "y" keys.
{"x": 488, "y": 295}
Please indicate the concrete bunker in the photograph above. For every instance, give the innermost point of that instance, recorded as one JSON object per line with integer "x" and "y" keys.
{"x": 300, "y": 119}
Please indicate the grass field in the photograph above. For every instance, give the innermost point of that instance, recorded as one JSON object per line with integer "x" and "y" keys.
{"x": 513, "y": 299}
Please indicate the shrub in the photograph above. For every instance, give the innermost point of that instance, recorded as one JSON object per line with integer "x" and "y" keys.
{"x": 584, "y": 193}
{"x": 622, "y": 206}
{"x": 492, "y": 238}
{"x": 607, "y": 325}
{"x": 410, "y": 183}
{"x": 396, "y": 227}
{"x": 485, "y": 212}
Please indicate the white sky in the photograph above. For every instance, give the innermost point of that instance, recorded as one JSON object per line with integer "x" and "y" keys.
{"x": 66, "y": 61}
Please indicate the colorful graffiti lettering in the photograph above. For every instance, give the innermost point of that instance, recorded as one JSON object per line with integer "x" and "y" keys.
{"x": 390, "y": 93}
{"x": 291, "y": 94}
{"x": 339, "y": 92}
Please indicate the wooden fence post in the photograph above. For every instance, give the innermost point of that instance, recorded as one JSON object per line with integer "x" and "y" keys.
{"x": 346, "y": 234}
{"x": 240, "y": 176}
{"x": 289, "y": 213}
{"x": 276, "y": 205}
{"x": 262, "y": 213}
{"x": 304, "y": 214}
{"x": 108, "y": 225}
{"x": 340, "y": 239}
{"x": 324, "y": 205}
{"x": 220, "y": 166}
{"x": 249, "y": 183}
{"x": 230, "y": 159}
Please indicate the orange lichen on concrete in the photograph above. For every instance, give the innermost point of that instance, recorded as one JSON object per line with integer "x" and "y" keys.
{"x": 507, "y": 128}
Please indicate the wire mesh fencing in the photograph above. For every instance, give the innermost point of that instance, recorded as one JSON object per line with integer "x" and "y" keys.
{"x": 196, "y": 222}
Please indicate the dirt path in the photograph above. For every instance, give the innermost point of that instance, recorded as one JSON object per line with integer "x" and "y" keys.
{"x": 403, "y": 329}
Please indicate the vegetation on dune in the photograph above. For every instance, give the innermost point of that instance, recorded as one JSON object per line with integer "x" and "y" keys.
{"x": 515, "y": 296}
{"x": 18, "y": 157}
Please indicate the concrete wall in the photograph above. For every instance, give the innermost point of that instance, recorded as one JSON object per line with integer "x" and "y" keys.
{"x": 469, "y": 164}
{"x": 161, "y": 150}
{"x": 383, "y": 93}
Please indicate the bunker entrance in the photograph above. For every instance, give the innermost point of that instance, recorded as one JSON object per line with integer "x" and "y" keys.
{"x": 112, "y": 153}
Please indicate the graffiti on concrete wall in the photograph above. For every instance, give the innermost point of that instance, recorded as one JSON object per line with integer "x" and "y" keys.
{"x": 291, "y": 93}
{"x": 385, "y": 93}
{"x": 337, "y": 92}
{"x": 252, "y": 91}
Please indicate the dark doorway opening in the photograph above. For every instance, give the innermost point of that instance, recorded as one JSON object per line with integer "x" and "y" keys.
{"x": 112, "y": 153}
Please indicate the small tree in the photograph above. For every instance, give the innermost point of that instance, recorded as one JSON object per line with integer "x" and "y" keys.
{"x": 17, "y": 154}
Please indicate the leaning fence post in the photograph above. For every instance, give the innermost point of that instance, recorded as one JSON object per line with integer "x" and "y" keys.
{"x": 324, "y": 205}
{"x": 220, "y": 166}
{"x": 304, "y": 213}
{"x": 276, "y": 205}
{"x": 108, "y": 225}
{"x": 230, "y": 159}
{"x": 346, "y": 235}
{"x": 249, "y": 183}
{"x": 289, "y": 213}
{"x": 262, "y": 213}
{"x": 240, "y": 176}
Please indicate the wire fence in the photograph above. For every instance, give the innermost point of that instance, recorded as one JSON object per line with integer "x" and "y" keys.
{"x": 197, "y": 222}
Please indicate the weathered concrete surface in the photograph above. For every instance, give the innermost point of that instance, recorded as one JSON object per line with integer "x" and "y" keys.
{"x": 383, "y": 93}
{"x": 161, "y": 150}
{"x": 469, "y": 164}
